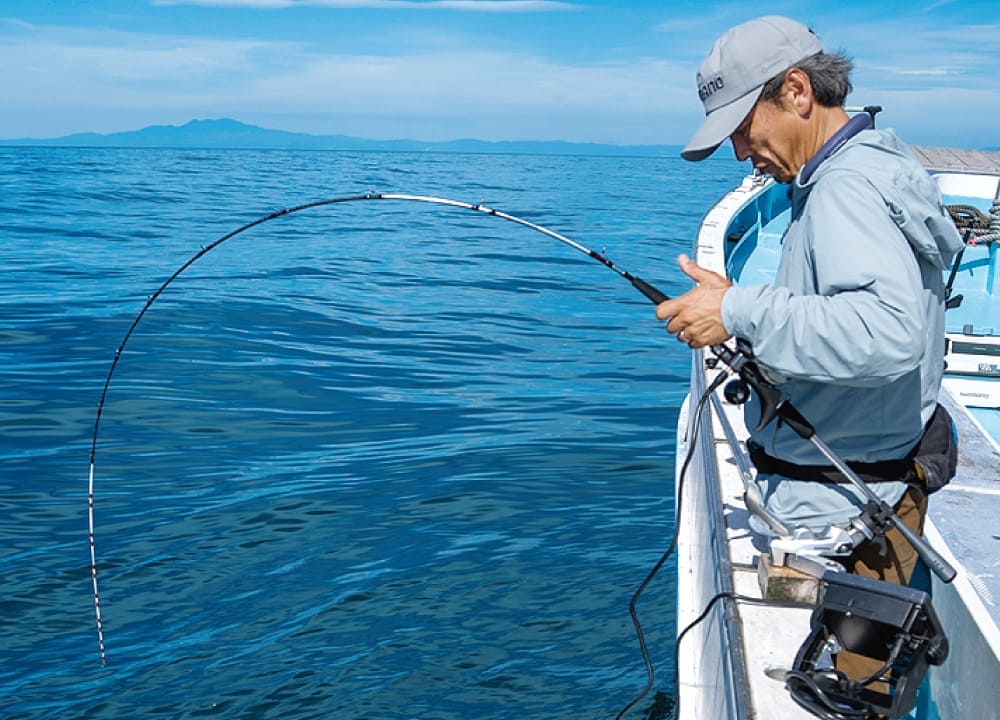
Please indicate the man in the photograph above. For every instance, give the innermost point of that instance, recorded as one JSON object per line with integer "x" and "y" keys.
{"x": 855, "y": 318}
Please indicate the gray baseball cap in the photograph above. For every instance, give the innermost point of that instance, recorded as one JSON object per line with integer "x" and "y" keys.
{"x": 731, "y": 78}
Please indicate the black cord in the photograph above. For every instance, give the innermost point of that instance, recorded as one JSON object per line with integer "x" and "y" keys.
{"x": 808, "y": 694}
{"x": 704, "y": 614}
{"x": 650, "y": 675}
{"x": 682, "y": 475}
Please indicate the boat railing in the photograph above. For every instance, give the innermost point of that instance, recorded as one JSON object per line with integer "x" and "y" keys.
{"x": 735, "y": 669}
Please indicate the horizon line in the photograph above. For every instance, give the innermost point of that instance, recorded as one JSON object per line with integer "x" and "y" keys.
{"x": 252, "y": 126}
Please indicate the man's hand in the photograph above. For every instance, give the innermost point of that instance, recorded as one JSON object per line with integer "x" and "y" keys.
{"x": 696, "y": 316}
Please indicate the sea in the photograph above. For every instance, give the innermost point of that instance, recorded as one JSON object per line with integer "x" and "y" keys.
{"x": 373, "y": 459}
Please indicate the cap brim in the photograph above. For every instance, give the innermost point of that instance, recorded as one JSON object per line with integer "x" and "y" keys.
{"x": 718, "y": 125}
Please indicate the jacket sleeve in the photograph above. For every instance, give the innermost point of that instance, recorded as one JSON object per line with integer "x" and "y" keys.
{"x": 866, "y": 322}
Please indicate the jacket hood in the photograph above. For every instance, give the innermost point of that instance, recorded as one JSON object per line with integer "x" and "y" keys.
{"x": 910, "y": 194}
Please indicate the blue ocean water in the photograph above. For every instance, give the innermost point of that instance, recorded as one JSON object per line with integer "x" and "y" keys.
{"x": 373, "y": 460}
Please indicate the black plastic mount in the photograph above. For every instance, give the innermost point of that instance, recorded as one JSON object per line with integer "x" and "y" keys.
{"x": 895, "y": 626}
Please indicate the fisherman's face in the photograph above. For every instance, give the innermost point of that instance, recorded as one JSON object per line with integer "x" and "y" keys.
{"x": 767, "y": 137}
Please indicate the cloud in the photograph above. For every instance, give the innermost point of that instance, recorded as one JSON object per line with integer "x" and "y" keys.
{"x": 439, "y": 83}
{"x": 467, "y": 5}
{"x": 930, "y": 48}
{"x": 927, "y": 58}
{"x": 61, "y": 58}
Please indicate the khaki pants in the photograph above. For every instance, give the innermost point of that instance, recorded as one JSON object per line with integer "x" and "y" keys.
{"x": 896, "y": 566}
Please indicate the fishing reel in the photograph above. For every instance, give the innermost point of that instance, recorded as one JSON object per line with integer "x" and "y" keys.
{"x": 751, "y": 375}
{"x": 737, "y": 390}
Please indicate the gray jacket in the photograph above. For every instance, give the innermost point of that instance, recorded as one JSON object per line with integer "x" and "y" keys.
{"x": 854, "y": 320}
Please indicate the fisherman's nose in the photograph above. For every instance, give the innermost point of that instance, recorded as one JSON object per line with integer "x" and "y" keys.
{"x": 740, "y": 148}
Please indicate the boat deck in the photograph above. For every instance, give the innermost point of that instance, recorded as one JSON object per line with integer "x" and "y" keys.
{"x": 958, "y": 160}
{"x": 965, "y": 512}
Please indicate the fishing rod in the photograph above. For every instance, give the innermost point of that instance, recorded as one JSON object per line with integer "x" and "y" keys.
{"x": 642, "y": 286}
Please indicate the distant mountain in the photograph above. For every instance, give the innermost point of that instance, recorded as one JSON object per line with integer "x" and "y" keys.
{"x": 226, "y": 133}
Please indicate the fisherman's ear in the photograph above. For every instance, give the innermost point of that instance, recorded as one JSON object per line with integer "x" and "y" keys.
{"x": 797, "y": 93}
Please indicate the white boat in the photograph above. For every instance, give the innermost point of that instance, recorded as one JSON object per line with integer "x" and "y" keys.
{"x": 730, "y": 665}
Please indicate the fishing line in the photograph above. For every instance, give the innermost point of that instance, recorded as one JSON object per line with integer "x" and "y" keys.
{"x": 645, "y": 288}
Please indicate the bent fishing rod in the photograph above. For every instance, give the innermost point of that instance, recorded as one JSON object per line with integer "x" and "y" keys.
{"x": 645, "y": 288}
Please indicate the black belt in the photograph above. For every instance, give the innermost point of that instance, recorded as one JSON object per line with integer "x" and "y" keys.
{"x": 931, "y": 463}
{"x": 901, "y": 470}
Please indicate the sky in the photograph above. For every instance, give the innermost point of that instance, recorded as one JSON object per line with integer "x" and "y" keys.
{"x": 433, "y": 70}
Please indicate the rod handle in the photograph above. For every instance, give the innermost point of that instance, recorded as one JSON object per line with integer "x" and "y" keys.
{"x": 648, "y": 290}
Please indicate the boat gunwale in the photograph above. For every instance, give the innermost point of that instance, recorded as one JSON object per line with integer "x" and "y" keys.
{"x": 739, "y": 686}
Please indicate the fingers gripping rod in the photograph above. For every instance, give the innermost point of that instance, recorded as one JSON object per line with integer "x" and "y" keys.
{"x": 741, "y": 361}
